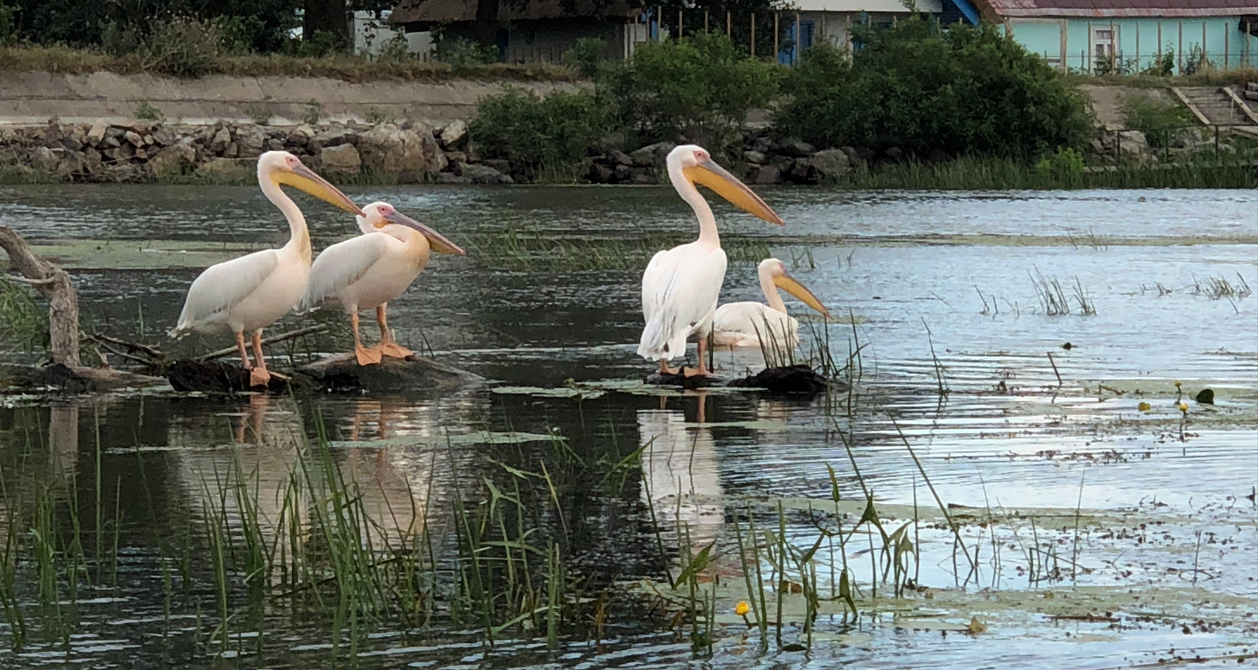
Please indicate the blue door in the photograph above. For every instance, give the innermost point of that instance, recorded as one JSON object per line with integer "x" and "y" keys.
{"x": 798, "y": 37}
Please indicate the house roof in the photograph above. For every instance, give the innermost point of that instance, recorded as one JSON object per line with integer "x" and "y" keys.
{"x": 459, "y": 11}
{"x": 1116, "y": 8}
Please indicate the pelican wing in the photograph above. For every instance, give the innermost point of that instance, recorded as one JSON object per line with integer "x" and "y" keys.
{"x": 223, "y": 286}
{"x": 746, "y": 324}
{"x": 679, "y": 292}
{"x": 342, "y": 264}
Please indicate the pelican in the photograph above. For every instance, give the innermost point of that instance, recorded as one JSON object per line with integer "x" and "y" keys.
{"x": 755, "y": 324}
{"x": 368, "y": 271}
{"x": 681, "y": 285}
{"x": 252, "y": 292}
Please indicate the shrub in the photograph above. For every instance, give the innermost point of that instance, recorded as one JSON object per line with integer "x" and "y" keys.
{"x": 585, "y": 56}
{"x": 1155, "y": 118}
{"x": 461, "y": 53}
{"x": 933, "y": 94}
{"x": 145, "y": 111}
{"x": 539, "y": 133}
{"x": 183, "y": 46}
{"x": 1066, "y": 165}
{"x": 699, "y": 88}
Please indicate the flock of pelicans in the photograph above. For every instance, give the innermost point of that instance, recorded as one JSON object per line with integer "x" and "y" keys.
{"x": 680, "y": 287}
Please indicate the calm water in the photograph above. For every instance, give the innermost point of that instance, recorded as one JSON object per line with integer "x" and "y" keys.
{"x": 952, "y": 270}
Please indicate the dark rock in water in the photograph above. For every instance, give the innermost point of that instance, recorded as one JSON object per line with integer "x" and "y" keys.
{"x": 1206, "y": 396}
{"x": 65, "y": 379}
{"x": 343, "y": 374}
{"x": 695, "y": 382}
{"x": 1067, "y": 346}
{"x": 788, "y": 380}
{"x": 218, "y": 377}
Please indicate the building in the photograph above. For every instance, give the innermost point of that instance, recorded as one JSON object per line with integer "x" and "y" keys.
{"x": 1131, "y": 36}
{"x": 540, "y": 31}
{"x": 813, "y": 21}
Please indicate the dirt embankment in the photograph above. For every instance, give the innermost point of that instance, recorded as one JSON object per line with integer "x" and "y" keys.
{"x": 28, "y": 98}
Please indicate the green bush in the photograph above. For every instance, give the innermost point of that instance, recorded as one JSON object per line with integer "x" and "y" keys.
{"x": 933, "y": 94}
{"x": 1155, "y": 118}
{"x": 460, "y": 52}
{"x": 539, "y": 133}
{"x": 699, "y": 88}
{"x": 1065, "y": 165}
{"x": 183, "y": 46}
{"x": 585, "y": 56}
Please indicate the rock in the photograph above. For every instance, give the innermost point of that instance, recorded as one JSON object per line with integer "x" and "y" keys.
{"x": 895, "y": 154}
{"x": 451, "y": 178}
{"x": 500, "y": 164}
{"x": 341, "y": 158}
{"x": 141, "y": 154}
{"x": 619, "y": 157}
{"x": 454, "y": 135}
{"x": 623, "y": 174}
{"x": 1132, "y": 142}
{"x": 134, "y": 138}
{"x": 218, "y": 143}
{"x": 794, "y": 147}
{"x": 300, "y": 136}
{"x": 405, "y": 153}
{"x": 97, "y": 132}
{"x": 831, "y": 163}
{"x": 341, "y": 373}
{"x": 652, "y": 155}
{"x": 754, "y": 157}
{"x": 70, "y": 165}
{"x": 91, "y": 161}
{"x": 601, "y": 174}
{"x": 52, "y": 135}
{"x": 164, "y": 137}
{"x": 225, "y": 169}
{"x": 767, "y": 174}
{"x": 174, "y": 159}
{"x": 455, "y": 157}
{"x": 643, "y": 176}
{"x": 483, "y": 174}
{"x": 232, "y": 150}
{"x": 45, "y": 160}
{"x": 801, "y": 171}
{"x": 250, "y": 142}
{"x": 762, "y": 144}
{"x": 273, "y": 144}
{"x": 332, "y": 137}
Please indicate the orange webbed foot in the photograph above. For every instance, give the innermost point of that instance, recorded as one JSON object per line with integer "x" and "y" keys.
{"x": 394, "y": 350}
{"x": 367, "y": 356}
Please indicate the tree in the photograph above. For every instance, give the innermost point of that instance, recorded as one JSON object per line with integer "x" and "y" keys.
{"x": 329, "y": 16}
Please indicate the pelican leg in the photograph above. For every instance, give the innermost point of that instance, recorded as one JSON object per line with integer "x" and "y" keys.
{"x": 365, "y": 356}
{"x": 244, "y": 353}
{"x": 258, "y": 375}
{"x": 665, "y": 370}
{"x": 702, "y": 370}
{"x": 388, "y": 346}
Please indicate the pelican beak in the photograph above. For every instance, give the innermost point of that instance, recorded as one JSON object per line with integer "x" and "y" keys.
{"x": 302, "y": 177}
{"x": 729, "y": 187}
{"x": 787, "y": 283}
{"x": 436, "y": 240}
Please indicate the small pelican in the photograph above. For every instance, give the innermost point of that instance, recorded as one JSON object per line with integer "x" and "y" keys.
{"x": 681, "y": 285}
{"x": 368, "y": 271}
{"x": 744, "y": 324}
{"x": 252, "y": 292}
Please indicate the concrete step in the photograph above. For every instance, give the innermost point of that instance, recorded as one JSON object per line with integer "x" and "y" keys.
{"x": 1251, "y": 86}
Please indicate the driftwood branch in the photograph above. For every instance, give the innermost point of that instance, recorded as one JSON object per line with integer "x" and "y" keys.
{"x": 282, "y": 337}
{"x": 55, "y": 285}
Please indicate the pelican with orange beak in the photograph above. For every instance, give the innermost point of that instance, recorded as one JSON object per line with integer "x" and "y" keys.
{"x": 755, "y": 324}
{"x": 368, "y": 271}
{"x": 247, "y": 294}
{"x": 681, "y": 285}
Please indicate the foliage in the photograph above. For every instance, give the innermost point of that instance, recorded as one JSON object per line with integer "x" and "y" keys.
{"x": 1064, "y": 165}
{"x": 699, "y": 88}
{"x": 585, "y": 56}
{"x": 933, "y": 93}
{"x": 1154, "y": 117}
{"x": 461, "y": 53}
{"x": 376, "y": 116}
{"x": 312, "y": 113}
{"x": 183, "y": 46}
{"x": 23, "y": 322}
{"x": 539, "y": 133}
{"x": 260, "y": 114}
{"x": 318, "y": 44}
{"x": 145, "y": 111}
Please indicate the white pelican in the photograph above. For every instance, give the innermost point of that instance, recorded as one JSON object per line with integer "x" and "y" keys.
{"x": 681, "y": 285}
{"x": 252, "y": 292}
{"x": 746, "y": 324}
{"x": 368, "y": 271}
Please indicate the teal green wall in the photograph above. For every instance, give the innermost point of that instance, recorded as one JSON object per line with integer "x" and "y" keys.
{"x": 1224, "y": 43}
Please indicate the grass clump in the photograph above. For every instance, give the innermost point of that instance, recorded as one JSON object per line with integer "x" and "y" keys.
{"x": 1155, "y": 118}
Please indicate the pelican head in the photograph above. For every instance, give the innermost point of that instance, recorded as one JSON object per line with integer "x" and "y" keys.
{"x": 696, "y": 164}
{"x": 377, "y": 215}
{"x": 776, "y": 271}
{"x": 281, "y": 167}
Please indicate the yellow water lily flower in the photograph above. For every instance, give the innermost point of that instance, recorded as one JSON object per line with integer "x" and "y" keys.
{"x": 1183, "y": 407}
{"x": 1178, "y": 383}
{"x": 742, "y": 608}
{"x": 1144, "y": 407}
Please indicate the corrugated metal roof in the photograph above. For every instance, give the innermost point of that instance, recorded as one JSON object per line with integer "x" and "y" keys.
{"x": 1117, "y": 8}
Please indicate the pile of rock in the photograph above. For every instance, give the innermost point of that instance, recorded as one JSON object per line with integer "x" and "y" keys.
{"x": 138, "y": 151}
{"x": 1111, "y": 146}
{"x": 764, "y": 161}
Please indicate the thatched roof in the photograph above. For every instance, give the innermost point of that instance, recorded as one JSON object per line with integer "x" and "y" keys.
{"x": 433, "y": 12}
